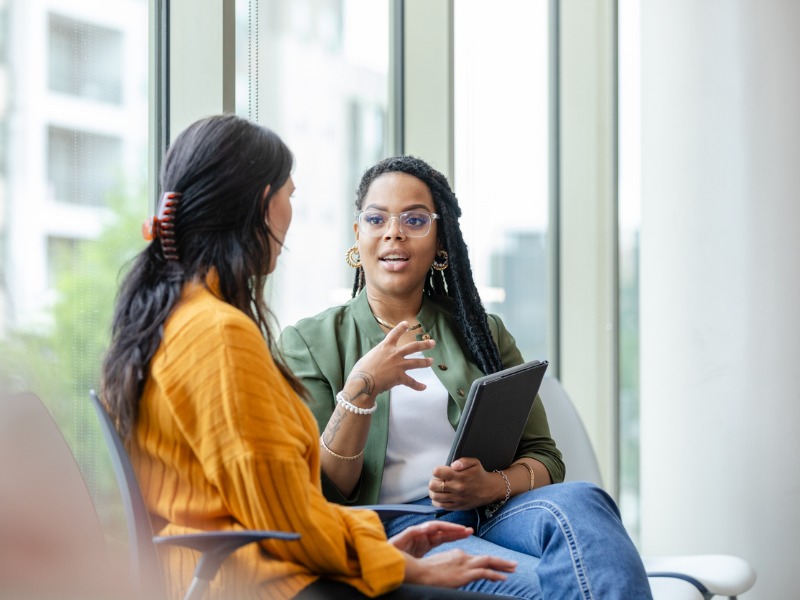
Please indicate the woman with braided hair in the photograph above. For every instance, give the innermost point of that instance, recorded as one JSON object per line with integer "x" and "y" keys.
{"x": 413, "y": 282}
{"x": 216, "y": 426}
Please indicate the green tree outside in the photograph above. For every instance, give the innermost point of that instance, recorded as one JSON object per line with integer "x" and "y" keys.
{"x": 61, "y": 366}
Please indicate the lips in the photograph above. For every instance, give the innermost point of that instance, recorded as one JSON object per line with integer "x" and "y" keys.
{"x": 394, "y": 257}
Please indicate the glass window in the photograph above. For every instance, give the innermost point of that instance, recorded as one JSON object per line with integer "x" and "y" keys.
{"x": 501, "y": 159}
{"x": 61, "y": 253}
{"x": 72, "y": 200}
{"x": 316, "y": 72}
{"x": 83, "y": 167}
{"x": 3, "y": 32}
{"x": 85, "y": 59}
{"x": 629, "y": 227}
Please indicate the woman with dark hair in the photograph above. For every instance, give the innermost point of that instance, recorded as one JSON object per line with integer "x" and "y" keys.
{"x": 215, "y": 425}
{"x": 413, "y": 275}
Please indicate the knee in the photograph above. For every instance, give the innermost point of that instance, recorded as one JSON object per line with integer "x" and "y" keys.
{"x": 582, "y": 496}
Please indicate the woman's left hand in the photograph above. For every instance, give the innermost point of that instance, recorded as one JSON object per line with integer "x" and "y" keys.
{"x": 464, "y": 485}
{"x": 418, "y": 539}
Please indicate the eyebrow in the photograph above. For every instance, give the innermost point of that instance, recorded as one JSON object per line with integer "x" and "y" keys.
{"x": 406, "y": 209}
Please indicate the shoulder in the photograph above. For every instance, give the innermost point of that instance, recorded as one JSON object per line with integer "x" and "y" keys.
{"x": 202, "y": 318}
{"x": 506, "y": 344}
{"x": 496, "y": 325}
{"x": 444, "y": 307}
{"x": 322, "y": 322}
{"x": 334, "y": 325}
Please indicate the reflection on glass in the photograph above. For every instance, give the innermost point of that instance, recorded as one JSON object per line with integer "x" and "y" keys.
{"x": 316, "y": 72}
{"x": 501, "y": 162}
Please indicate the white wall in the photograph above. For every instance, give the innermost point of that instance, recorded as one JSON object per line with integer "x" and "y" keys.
{"x": 720, "y": 283}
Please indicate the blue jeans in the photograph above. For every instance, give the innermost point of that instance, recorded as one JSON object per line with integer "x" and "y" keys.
{"x": 567, "y": 539}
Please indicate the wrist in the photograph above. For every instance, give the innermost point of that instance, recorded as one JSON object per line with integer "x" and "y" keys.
{"x": 347, "y": 402}
{"x": 413, "y": 569}
{"x": 495, "y": 506}
{"x": 499, "y": 488}
{"x": 361, "y": 389}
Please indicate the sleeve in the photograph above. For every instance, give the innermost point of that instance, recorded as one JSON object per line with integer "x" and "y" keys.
{"x": 536, "y": 442}
{"x": 297, "y": 355}
{"x": 256, "y": 443}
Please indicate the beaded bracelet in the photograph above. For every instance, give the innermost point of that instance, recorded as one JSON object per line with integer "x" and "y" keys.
{"x": 339, "y": 456}
{"x": 347, "y": 405}
{"x": 494, "y": 507}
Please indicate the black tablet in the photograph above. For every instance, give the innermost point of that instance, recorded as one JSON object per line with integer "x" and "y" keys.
{"x": 495, "y": 415}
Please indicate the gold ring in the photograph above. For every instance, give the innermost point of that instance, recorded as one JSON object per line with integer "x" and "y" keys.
{"x": 442, "y": 489}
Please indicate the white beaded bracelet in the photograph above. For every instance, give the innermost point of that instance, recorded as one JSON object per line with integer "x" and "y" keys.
{"x": 347, "y": 405}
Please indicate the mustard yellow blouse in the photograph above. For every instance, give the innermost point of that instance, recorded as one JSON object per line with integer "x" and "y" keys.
{"x": 223, "y": 442}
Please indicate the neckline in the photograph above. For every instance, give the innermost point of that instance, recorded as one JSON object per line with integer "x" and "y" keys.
{"x": 390, "y": 326}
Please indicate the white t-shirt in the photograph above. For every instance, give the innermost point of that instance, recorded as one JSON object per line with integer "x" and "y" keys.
{"x": 420, "y": 437}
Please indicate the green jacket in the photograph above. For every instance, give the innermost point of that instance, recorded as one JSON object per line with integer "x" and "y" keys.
{"x": 323, "y": 349}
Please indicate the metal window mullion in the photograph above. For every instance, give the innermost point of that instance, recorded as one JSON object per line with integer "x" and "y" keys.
{"x": 554, "y": 204}
{"x": 159, "y": 92}
{"x": 396, "y": 120}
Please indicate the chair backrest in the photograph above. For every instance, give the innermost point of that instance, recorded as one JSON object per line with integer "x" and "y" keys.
{"x": 51, "y": 541}
{"x": 145, "y": 567}
{"x": 566, "y": 428}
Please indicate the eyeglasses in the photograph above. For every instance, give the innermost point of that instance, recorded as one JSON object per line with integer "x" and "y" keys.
{"x": 416, "y": 223}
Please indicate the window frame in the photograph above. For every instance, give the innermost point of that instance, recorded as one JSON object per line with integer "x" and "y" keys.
{"x": 192, "y": 52}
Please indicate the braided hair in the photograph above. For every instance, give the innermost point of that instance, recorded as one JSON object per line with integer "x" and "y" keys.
{"x": 455, "y": 282}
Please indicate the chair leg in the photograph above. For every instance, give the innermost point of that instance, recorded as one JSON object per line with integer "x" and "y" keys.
{"x": 197, "y": 589}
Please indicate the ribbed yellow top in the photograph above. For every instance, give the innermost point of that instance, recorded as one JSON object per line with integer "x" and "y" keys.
{"x": 223, "y": 442}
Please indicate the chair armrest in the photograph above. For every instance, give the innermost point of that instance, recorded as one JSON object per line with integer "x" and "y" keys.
{"x": 388, "y": 512}
{"x": 720, "y": 574}
{"x": 216, "y": 546}
{"x": 671, "y": 588}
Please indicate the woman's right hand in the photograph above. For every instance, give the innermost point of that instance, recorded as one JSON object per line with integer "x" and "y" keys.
{"x": 455, "y": 568}
{"x": 345, "y": 434}
{"x": 386, "y": 364}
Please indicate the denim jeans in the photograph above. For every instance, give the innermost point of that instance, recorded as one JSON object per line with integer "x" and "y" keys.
{"x": 567, "y": 538}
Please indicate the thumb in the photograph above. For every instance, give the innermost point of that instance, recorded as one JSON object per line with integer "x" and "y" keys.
{"x": 462, "y": 464}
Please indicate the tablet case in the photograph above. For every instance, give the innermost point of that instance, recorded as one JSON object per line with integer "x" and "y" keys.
{"x": 496, "y": 413}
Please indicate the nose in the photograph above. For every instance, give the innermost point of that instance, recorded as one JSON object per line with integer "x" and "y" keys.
{"x": 393, "y": 229}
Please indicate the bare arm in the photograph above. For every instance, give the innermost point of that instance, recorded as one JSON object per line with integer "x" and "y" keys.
{"x": 345, "y": 434}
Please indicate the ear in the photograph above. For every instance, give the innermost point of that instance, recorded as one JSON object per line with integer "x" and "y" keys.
{"x": 266, "y": 193}
{"x": 355, "y": 230}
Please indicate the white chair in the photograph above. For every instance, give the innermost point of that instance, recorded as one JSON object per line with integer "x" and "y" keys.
{"x": 698, "y": 577}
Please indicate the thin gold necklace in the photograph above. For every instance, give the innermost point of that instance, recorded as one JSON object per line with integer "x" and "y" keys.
{"x": 390, "y": 326}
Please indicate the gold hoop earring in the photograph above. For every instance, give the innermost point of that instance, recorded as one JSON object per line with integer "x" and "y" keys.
{"x": 352, "y": 257}
{"x": 441, "y": 261}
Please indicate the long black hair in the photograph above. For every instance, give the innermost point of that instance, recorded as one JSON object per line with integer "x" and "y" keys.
{"x": 456, "y": 280}
{"x": 220, "y": 166}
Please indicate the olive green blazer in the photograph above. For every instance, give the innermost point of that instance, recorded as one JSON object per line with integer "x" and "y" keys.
{"x": 323, "y": 349}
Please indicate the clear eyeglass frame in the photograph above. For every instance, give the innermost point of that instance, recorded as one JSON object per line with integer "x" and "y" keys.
{"x": 403, "y": 221}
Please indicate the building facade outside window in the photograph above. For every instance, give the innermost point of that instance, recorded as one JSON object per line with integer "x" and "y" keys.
{"x": 501, "y": 159}
{"x": 316, "y": 72}
{"x": 73, "y": 112}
